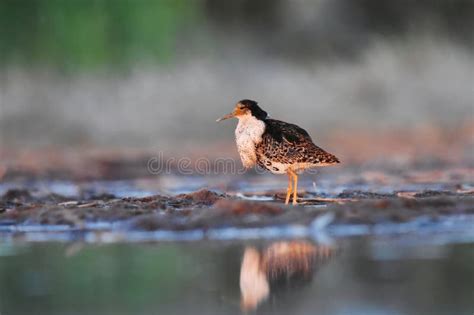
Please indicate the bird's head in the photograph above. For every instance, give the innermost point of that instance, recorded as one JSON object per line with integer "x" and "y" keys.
{"x": 246, "y": 108}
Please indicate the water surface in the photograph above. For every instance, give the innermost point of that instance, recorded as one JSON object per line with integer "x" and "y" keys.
{"x": 380, "y": 275}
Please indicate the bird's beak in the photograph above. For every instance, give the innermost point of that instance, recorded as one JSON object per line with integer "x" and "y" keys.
{"x": 231, "y": 115}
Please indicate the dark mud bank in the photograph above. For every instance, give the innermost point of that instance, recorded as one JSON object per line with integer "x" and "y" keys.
{"x": 204, "y": 210}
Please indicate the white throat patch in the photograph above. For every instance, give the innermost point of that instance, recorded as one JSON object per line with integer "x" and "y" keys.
{"x": 248, "y": 134}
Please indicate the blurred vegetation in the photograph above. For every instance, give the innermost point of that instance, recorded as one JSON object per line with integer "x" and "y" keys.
{"x": 90, "y": 33}
{"x": 85, "y": 34}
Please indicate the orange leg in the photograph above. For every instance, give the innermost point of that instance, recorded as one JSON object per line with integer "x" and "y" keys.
{"x": 289, "y": 190}
{"x": 295, "y": 186}
{"x": 295, "y": 190}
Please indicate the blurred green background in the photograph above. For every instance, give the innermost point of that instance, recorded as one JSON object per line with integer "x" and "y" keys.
{"x": 90, "y": 34}
{"x": 157, "y": 73}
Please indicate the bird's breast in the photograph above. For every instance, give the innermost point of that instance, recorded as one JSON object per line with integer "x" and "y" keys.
{"x": 247, "y": 135}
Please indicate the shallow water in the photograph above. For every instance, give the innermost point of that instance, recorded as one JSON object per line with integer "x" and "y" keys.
{"x": 357, "y": 276}
{"x": 398, "y": 258}
{"x": 253, "y": 186}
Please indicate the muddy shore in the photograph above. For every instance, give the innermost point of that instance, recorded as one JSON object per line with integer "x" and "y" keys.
{"x": 206, "y": 209}
{"x": 385, "y": 179}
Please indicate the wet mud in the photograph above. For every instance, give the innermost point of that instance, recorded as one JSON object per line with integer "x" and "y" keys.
{"x": 204, "y": 209}
{"x": 390, "y": 179}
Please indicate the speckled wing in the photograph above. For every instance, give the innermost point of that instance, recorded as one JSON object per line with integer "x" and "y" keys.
{"x": 289, "y": 144}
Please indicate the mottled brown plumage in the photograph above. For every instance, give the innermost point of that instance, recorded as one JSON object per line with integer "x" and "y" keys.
{"x": 290, "y": 145}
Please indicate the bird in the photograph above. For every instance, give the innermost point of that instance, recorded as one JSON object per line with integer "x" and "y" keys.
{"x": 279, "y": 265}
{"x": 274, "y": 145}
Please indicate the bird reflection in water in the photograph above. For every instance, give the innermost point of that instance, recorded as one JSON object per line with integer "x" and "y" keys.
{"x": 281, "y": 264}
